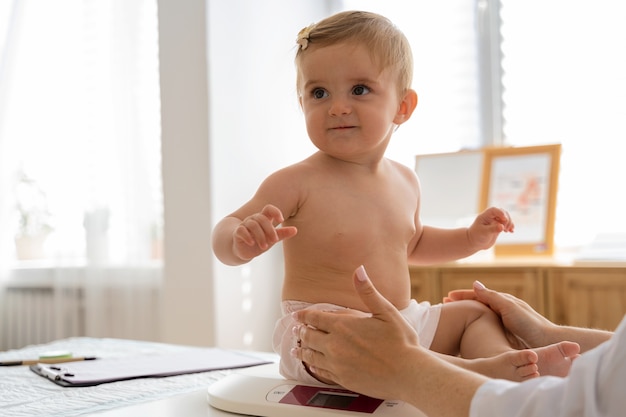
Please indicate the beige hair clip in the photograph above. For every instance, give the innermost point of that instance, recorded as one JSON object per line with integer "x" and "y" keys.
{"x": 303, "y": 37}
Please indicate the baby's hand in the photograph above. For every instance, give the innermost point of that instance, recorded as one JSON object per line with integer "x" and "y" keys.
{"x": 488, "y": 226}
{"x": 258, "y": 232}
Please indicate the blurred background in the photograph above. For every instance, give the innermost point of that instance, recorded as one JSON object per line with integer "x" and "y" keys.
{"x": 129, "y": 128}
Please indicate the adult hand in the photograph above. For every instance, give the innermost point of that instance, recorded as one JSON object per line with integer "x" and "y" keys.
{"x": 355, "y": 350}
{"x": 517, "y": 316}
{"x": 523, "y": 321}
{"x": 380, "y": 356}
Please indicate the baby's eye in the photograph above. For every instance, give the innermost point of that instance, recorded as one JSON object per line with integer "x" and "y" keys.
{"x": 360, "y": 90}
{"x": 319, "y": 93}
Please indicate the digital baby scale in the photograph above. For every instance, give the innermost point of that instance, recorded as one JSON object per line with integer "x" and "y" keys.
{"x": 261, "y": 391}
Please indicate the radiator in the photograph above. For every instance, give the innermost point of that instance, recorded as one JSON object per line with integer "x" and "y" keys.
{"x": 32, "y": 315}
{"x": 119, "y": 303}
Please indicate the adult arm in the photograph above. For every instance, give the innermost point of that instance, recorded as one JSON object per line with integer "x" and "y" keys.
{"x": 523, "y": 321}
{"x": 380, "y": 356}
{"x": 594, "y": 388}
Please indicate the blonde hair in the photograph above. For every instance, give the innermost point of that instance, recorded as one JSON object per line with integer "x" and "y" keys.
{"x": 388, "y": 46}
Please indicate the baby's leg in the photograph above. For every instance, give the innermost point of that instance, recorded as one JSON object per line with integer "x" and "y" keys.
{"x": 516, "y": 365}
{"x": 471, "y": 329}
{"x": 520, "y": 365}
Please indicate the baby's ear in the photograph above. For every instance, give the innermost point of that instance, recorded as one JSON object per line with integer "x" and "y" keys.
{"x": 406, "y": 108}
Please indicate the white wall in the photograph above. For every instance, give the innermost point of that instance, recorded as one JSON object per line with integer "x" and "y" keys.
{"x": 188, "y": 316}
{"x": 256, "y": 128}
{"x": 225, "y": 126}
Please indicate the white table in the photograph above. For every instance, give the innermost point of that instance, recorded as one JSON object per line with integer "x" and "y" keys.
{"x": 193, "y": 404}
{"x": 26, "y": 394}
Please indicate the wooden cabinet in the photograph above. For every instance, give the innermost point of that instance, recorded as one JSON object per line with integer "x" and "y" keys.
{"x": 523, "y": 282}
{"x": 425, "y": 284}
{"x": 589, "y": 296}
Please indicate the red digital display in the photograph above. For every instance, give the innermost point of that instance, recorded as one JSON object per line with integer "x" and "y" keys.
{"x": 333, "y": 398}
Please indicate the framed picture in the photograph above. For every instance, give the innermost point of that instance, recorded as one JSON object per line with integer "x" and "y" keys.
{"x": 523, "y": 181}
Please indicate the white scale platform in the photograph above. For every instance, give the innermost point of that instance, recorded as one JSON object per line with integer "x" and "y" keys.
{"x": 261, "y": 391}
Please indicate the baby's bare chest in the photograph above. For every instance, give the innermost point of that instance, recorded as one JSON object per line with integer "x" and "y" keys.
{"x": 336, "y": 216}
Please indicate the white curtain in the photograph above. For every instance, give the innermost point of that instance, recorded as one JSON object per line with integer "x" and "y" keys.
{"x": 565, "y": 81}
{"x": 80, "y": 186}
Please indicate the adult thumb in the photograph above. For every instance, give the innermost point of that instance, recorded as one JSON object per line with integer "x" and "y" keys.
{"x": 375, "y": 302}
{"x": 479, "y": 287}
{"x": 485, "y": 295}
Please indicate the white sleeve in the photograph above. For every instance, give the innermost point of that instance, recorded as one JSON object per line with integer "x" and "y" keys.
{"x": 594, "y": 388}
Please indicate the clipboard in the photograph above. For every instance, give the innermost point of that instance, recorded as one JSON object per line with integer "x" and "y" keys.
{"x": 101, "y": 371}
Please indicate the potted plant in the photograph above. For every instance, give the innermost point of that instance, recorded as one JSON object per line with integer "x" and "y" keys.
{"x": 33, "y": 218}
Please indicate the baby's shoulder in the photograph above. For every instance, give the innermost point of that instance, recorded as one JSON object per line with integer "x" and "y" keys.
{"x": 291, "y": 176}
{"x": 299, "y": 169}
{"x": 403, "y": 170}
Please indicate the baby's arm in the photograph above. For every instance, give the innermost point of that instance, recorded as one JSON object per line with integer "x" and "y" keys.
{"x": 488, "y": 225}
{"x": 237, "y": 241}
{"x": 436, "y": 245}
{"x": 254, "y": 228}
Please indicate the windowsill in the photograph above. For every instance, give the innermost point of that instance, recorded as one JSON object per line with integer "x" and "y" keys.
{"x": 570, "y": 256}
{"x": 50, "y": 264}
{"x": 46, "y": 273}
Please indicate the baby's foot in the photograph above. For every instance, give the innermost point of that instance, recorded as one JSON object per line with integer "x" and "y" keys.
{"x": 514, "y": 365}
{"x": 557, "y": 359}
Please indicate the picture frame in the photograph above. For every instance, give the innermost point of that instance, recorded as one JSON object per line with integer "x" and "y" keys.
{"x": 523, "y": 181}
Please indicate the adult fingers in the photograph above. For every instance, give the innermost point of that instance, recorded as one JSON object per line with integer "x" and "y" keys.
{"x": 315, "y": 361}
{"x": 317, "y": 319}
{"x": 458, "y": 295}
{"x": 478, "y": 292}
{"x": 495, "y": 300}
{"x": 312, "y": 345}
{"x": 375, "y": 302}
{"x": 310, "y": 337}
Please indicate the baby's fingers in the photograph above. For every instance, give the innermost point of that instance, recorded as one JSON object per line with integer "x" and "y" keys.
{"x": 286, "y": 232}
{"x": 242, "y": 234}
{"x": 261, "y": 230}
{"x": 504, "y": 218}
{"x": 273, "y": 213}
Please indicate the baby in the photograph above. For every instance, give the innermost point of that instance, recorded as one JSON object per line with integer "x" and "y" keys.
{"x": 347, "y": 205}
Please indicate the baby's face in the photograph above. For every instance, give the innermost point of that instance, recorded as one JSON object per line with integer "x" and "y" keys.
{"x": 350, "y": 105}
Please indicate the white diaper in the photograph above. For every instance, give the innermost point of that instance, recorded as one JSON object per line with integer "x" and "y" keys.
{"x": 423, "y": 317}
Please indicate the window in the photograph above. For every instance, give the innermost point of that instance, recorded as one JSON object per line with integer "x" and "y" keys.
{"x": 80, "y": 131}
{"x": 565, "y": 81}
{"x": 80, "y": 189}
{"x": 444, "y": 41}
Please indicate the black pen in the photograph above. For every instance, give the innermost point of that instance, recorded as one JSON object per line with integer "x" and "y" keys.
{"x": 48, "y": 360}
